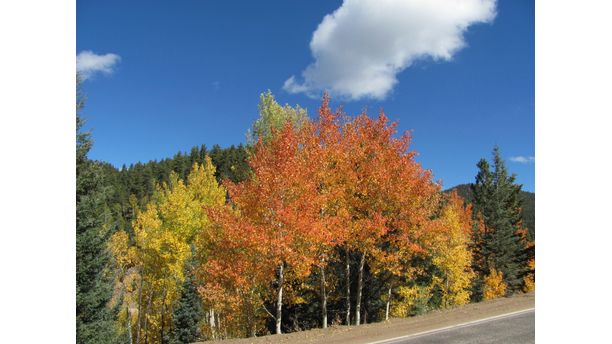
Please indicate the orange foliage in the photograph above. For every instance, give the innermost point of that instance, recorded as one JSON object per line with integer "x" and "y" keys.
{"x": 378, "y": 191}
{"x": 273, "y": 219}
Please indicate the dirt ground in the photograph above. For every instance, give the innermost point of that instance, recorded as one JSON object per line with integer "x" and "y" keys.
{"x": 396, "y": 327}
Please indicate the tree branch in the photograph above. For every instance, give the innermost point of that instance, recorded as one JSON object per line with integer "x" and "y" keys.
{"x": 270, "y": 314}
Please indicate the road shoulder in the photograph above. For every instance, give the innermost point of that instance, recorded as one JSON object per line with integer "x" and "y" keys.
{"x": 398, "y": 327}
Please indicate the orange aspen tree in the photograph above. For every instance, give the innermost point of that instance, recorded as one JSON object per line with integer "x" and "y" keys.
{"x": 281, "y": 202}
{"x": 331, "y": 175}
{"x": 335, "y": 177}
{"x": 382, "y": 191}
{"x": 232, "y": 276}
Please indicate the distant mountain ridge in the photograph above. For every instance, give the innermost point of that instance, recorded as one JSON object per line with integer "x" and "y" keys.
{"x": 527, "y": 200}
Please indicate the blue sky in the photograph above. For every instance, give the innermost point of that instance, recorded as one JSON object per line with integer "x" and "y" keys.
{"x": 186, "y": 73}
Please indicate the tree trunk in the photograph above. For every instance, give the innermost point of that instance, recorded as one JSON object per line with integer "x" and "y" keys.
{"x": 219, "y": 328}
{"x": 139, "y": 310}
{"x": 348, "y": 288}
{"x": 247, "y": 311}
{"x": 446, "y": 295}
{"x": 388, "y": 304}
{"x": 129, "y": 324}
{"x": 279, "y": 300}
{"x": 163, "y": 311}
{"x": 146, "y": 322}
{"x": 359, "y": 288}
{"x": 323, "y": 298}
{"x": 211, "y": 321}
{"x": 161, "y": 330}
{"x": 127, "y": 311}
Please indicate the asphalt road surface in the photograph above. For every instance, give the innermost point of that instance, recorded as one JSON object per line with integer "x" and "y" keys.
{"x": 511, "y": 329}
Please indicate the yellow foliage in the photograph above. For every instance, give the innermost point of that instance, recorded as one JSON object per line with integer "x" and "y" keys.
{"x": 163, "y": 235}
{"x": 494, "y": 285}
{"x": 451, "y": 254}
{"x": 118, "y": 245}
{"x": 529, "y": 280}
{"x": 203, "y": 185}
{"x": 529, "y": 284}
{"x": 409, "y": 298}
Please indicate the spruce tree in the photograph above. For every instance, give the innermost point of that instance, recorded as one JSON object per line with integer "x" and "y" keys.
{"x": 187, "y": 314}
{"x": 94, "y": 319}
{"x": 496, "y": 200}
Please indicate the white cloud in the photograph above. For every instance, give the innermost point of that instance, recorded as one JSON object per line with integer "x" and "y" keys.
{"x": 360, "y": 48}
{"x": 522, "y": 159}
{"x": 88, "y": 63}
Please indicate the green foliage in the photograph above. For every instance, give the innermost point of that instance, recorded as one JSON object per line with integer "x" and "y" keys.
{"x": 134, "y": 185}
{"x": 527, "y": 200}
{"x": 496, "y": 199}
{"x": 273, "y": 116}
{"x": 187, "y": 314}
{"x": 94, "y": 319}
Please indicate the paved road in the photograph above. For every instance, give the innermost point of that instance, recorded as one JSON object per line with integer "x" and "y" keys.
{"x": 513, "y": 329}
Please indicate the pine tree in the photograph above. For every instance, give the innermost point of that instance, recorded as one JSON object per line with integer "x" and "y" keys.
{"x": 498, "y": 243}
{"x": 187, "y": 314}
{"x": 94, "y": 319}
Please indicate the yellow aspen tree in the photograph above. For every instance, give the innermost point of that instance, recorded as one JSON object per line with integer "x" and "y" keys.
{"x": 529, "y": 280}
{"x": 126, "y": 280}
{"x": 410, "y": 299}
{"x": 163, "y": 235}
{"x": 494, "y": 285}
{"x": 451, "y": 254}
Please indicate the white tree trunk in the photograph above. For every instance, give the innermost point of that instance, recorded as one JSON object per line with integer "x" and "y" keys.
{"x": 323, "y": 298}
{"x": 129, "y": 324}
{"x": 279, "y": 300}
{"x": 348, "y": 288}
{"x": 211, "y": 321}
{"x": 359, "y": 288}
{"x": 388, "y": 304}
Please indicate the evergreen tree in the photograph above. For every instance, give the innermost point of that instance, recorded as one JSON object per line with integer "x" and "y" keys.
{"x": 498, "y": 244}
{"x": 187, "y": 314}
{"x": 94, "y": 319}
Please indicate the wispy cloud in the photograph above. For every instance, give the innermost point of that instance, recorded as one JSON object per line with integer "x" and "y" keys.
{"x": 522, "y": 159}
{"x": 89, "y": 63}
{"x": 360, "y": 48}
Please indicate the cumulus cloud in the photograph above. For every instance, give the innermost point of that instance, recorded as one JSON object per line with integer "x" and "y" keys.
{"x": 360, "y": 48}
{"x": 522, "y": 159}
{"x": 89, "y": 63}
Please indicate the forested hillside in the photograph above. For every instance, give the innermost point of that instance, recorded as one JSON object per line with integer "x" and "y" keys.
{"x": 527, "y": 204}
{"x": 131, "y": 187}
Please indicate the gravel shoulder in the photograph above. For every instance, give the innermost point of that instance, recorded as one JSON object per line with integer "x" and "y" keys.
{"x": 396, "y": 327}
